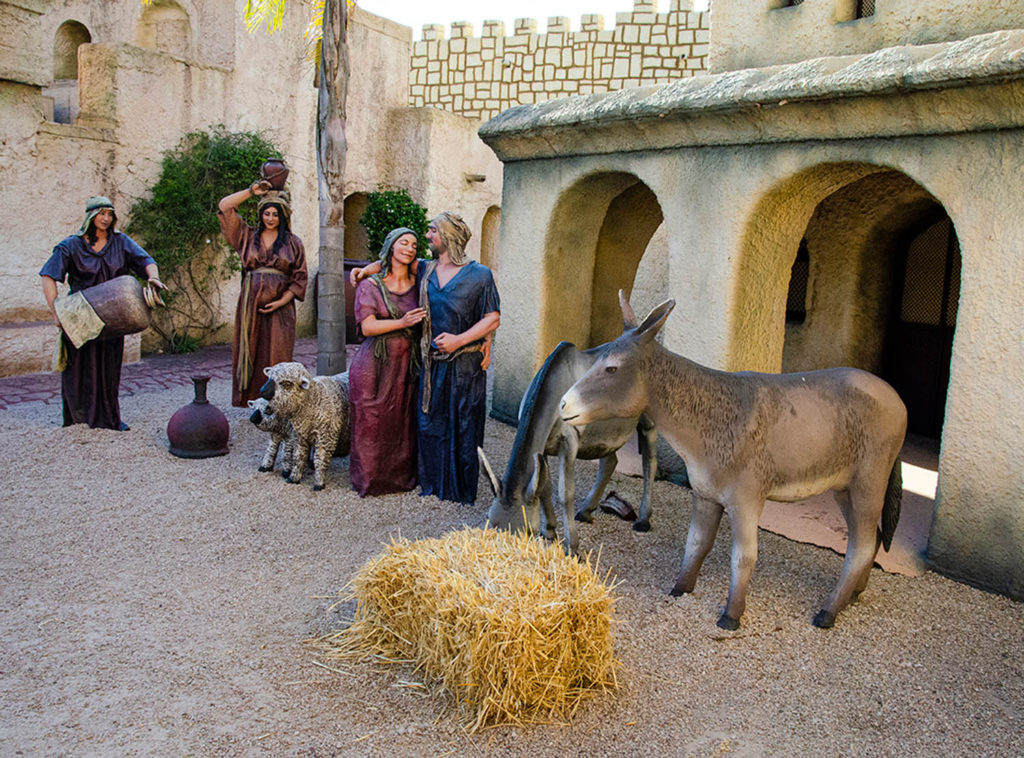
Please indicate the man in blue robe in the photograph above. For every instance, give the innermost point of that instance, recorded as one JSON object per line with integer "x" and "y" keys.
{"x": 464, "y": 310}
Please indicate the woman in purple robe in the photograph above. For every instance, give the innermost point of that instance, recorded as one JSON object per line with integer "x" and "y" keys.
{"x": 382, "y": 377}
{"x": 96, "y": 254}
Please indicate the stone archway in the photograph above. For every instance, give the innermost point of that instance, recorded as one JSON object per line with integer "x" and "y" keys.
{"x": 64, "y": 89}
{"x": 165, "y": 26}
{"x": 598, "y": 234}
{"x": 839, "y": 268}
{"x": 490, "y": 229}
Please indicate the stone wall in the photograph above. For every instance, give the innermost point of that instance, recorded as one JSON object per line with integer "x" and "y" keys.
{"x": 478, "y": 77}
{"x": 756, "y": 33}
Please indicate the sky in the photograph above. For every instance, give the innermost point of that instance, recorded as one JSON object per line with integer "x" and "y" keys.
{"x": 416, "y": 13}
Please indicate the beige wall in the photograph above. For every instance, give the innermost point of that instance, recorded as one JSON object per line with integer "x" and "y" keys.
{"x": 739, "y": 186}
{"x": 757, "y": 33}
{"x": 137, "y": 102}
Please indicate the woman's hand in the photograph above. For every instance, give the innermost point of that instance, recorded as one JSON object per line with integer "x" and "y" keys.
{"x": 272, "y": 306}
{"x": 413, "y": 317}
{"x": 260, "y": 187}
{"x": 485, "y": 362}
{"x": 154, "y": 281}
{"x": 355, "y": 276}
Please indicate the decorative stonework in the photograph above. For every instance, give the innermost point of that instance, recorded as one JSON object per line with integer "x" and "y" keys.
{"x": 479, "y": 77}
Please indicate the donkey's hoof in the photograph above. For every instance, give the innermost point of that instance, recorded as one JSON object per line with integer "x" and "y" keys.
{"x": 728, "y": 623}
{"x": 641, "y": 526}
{"x": 293, "y": 481}
{"x": 824, "y": 619}
{"x": 680, "y": 589}
{"x": 317, "y": 487}
{"x": 263, "y": 468}
{"x": 285, "y": 473}
{"x": 585, "y": 517}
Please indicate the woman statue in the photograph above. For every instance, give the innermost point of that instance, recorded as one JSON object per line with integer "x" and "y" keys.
{"x": 273, "y": 277}
{"x": 97, "y": 253}
{"x": 383, "y": 375}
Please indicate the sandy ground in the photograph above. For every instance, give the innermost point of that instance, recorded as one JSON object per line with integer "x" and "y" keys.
{"x": 158, "y": 606}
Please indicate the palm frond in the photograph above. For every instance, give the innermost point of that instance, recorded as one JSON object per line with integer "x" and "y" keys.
{"x": 268, "y": 13}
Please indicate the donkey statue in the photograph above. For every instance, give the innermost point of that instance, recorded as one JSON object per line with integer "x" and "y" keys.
{"x": 747, "y": 437}
{"x": 542, "y": 432}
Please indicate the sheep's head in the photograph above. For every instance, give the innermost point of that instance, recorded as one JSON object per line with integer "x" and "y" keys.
{"x": 263, "y": 415}
{"x": 286, "y": 386}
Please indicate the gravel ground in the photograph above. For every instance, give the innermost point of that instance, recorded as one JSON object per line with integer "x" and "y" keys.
{"x": 157, "y": 606}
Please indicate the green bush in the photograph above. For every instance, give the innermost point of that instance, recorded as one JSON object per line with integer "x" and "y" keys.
{"x": 178, "y": 226}
{"x": 389, "y": 209}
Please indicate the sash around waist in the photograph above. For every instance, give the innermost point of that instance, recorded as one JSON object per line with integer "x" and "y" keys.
{"x": 267, "y": 270}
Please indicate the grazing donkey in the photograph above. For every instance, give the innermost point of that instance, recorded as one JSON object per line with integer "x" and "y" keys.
{"x": 747, "y": 437}
{"x": 542, "y": 432}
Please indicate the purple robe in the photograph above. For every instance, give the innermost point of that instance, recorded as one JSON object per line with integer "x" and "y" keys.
{"x": 382, "y": 393}
{"x": 89, "y": 384}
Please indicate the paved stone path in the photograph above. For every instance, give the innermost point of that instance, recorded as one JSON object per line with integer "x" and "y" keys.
{"x": 153, "y": 372}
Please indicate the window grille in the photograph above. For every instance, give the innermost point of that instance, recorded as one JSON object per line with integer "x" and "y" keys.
{"x": 865, "y": 8}
{"x": 796, "y": 300}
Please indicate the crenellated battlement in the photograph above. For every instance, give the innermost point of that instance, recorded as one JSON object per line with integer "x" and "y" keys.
{"x": 481, "y": 76}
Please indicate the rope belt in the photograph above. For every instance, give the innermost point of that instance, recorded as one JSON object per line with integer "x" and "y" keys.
{"x": 243, "y": 371}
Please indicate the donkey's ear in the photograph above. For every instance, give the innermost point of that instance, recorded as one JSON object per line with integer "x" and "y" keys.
{"x": 628, "y": 316}
{"x": 491, "y": 478}
{"x": 655, "y": 320}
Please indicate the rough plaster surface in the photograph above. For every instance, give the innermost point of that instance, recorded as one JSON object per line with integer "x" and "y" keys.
{"x": 137, "y": 102}
{"x": 755, "y": 34}
{"x": 753, "y": 180}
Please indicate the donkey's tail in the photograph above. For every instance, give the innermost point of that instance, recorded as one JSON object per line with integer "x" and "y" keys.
{"x": 891, "y": 508}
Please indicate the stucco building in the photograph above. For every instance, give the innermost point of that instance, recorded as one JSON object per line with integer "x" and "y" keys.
{"x": 842, "y": 189}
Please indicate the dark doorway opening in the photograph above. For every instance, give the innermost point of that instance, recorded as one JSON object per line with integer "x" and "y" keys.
{"x": 919, "y": 342}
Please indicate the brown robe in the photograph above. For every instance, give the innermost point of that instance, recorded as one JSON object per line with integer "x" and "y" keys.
{"x": 270, "y": 337}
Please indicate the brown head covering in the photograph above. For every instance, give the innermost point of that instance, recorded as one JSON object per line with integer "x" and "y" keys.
{"x": 280, "y": 198}
{"x": 455, "y": 234}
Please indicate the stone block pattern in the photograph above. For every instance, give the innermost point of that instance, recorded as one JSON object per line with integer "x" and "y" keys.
{"x": 478, "y": 77}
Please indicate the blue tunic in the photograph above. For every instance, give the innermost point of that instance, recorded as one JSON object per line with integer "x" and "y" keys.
{"x": 453, "y": 426}
{"x": 90, "y": 382}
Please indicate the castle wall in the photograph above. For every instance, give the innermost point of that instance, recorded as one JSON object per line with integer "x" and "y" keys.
{"x": 478, "y": 77}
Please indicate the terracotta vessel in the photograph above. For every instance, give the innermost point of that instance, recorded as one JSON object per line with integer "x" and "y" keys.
{"x": 198, "y": 430}
{"x": 121, "y": 304}
{"x": 275, "y": 171}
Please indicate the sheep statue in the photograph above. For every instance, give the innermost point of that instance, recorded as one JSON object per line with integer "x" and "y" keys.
{"x": 280, "y": 430}
{"x": 316, "y": 407}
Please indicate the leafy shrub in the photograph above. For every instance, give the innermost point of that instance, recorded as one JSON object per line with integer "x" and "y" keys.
{"x": 178, "y": 226}
{"x": 389, "y": 209}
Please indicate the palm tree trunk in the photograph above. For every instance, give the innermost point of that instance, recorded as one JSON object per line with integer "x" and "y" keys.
{"x": 330, "y": 169}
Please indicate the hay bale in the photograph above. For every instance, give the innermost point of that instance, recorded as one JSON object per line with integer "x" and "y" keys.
{"x": 513, "y": 629}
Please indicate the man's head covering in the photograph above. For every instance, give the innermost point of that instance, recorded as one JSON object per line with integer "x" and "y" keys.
{"x": 455, "y": 234}
{"x": 93, "y": 206}
{"x": 389, "y": 242}
{"x": 280, "y": 198}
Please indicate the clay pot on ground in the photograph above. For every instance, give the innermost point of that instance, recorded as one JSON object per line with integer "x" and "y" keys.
{"x": 199, "y": 429}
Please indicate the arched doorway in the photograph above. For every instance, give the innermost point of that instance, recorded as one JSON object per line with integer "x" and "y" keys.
{"x": 64, "y": 90}
{"x": 164, "y": 25}
{"x": 862, "y": 269}
{"x": 490, "y": 230}
{"x": 599, "y": 233}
